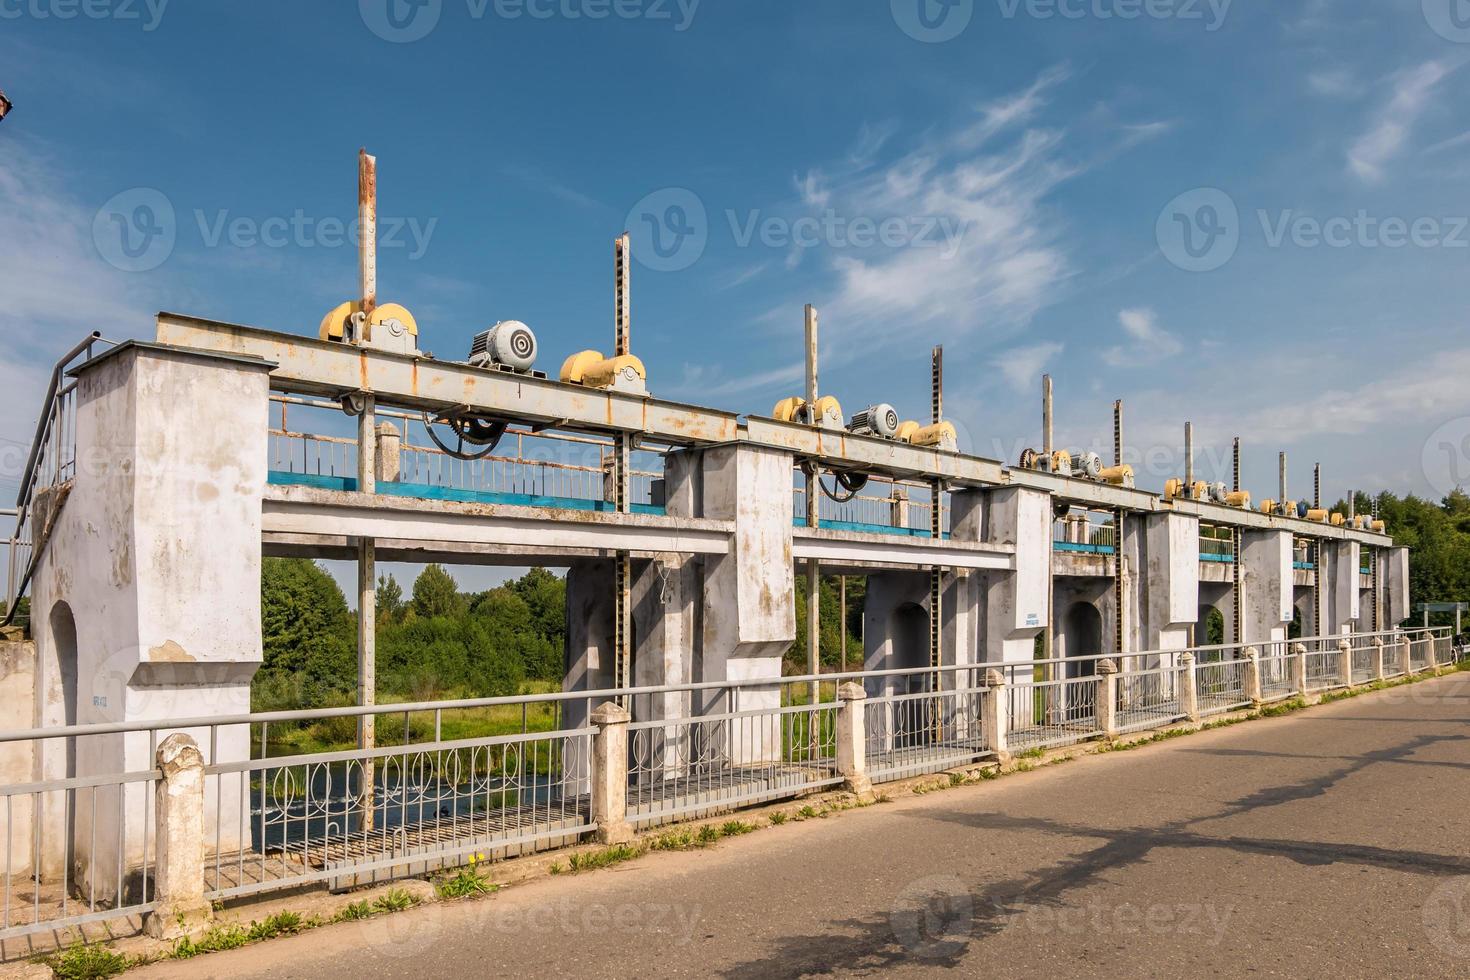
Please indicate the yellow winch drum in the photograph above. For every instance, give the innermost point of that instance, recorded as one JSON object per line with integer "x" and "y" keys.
{"x": 1239, "y": 498}
{"x": 591, "y": 369}
{"x": 939, "y": 434}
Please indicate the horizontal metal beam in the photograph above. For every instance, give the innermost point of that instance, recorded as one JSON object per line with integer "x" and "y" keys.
{"x": 296, "y": 513}
{"x": 313, "y": 366}
{"x": 849, "y": 549}
{"x": 420, "y": 383}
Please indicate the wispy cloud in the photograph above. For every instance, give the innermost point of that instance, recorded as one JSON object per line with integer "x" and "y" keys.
{"x": 1393, "y": 122}
{"x": 1022, "y": 366}
{"x": 539, "y": 180}
{"x": 1148, "y": 343}
{"x": 1335, "y": 83}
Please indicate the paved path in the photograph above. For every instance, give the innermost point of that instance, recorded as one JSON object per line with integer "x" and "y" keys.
{"x": 1334, "y": 841}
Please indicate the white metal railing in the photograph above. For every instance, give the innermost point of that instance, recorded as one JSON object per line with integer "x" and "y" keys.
{"x": 51, "y": 464}
{"x": 1086, "y": 533}
{"x": 881, "y": 504}
{"x": 290, "y": 800}
{"x": 557, "y": 466}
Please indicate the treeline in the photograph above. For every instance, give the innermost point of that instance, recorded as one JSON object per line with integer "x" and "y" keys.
{"x": 1438, "y": 538}
{"x": 436, "y": 642}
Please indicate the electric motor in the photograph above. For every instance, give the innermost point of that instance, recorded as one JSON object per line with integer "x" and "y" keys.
{"x": 509, "y": 344}
{"x": 879, "y": 420}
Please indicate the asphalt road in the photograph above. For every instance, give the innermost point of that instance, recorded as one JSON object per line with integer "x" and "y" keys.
{"x": 1332, "y": 842}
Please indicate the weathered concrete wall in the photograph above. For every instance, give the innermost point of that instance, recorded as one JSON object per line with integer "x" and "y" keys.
{"x": 1018, "y": 603}
{"x": 17, "y": 762}
{"x": 1339, "y": 563}
{"x": 1166, "y": 581}
{"x": 1394, "y": 569}
{"x": 1266, "y": 584}
{"x": 147, "y": 597}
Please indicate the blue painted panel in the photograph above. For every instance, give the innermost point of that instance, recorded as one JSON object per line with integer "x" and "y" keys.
{"x": 425, "y": 491}
{"x": 1082, "y": 549}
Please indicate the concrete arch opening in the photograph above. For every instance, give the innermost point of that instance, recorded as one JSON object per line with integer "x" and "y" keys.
{"x": 60, "y": 707}
{"x": 1082, "y": 636}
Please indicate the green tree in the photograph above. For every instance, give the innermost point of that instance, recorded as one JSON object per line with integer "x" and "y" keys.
{"x": 391, "y": 604}
{"x": 308, "y": 635}
{"x": 435, "y": 593}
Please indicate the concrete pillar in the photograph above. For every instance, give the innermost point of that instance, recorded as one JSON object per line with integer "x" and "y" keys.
{"x": 1345, "y": 663}
{"x": 389, "y": 465}
{"x": 1395, "y": 567}
{"x": 1253, "y": 688}
{"x": 1431, "y": 664}
{"x": 898, "y": 507}
{"x": 1299, "y": 669}
{"x": 1107, "y": 698}
{"x": 1188, "y": 688}
{"x": 146, "y": 599}
{"x": 179, "y": 814}
{"x": 610, "y": 773}
{"x": 852, "y": 740}
{"x": 1339, "y": 562}
{"x": 1017, "y": 603}
{"x": 993, "y": 712}
{"x": 1378, "y": 673}
{"x": 1266, "y": 586}
{"x": 1166, "y": 580}
{"x": 1405, "y": 661}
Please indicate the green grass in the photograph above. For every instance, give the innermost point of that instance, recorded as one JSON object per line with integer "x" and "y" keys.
{"x": 355, "y": 911}
{"x": 778, "y": 818}
{"x": 395, "y": 900}
{"x": 234, "y": 936}
{"x": 88, "y": 963}
{"x": 464, "y": 883}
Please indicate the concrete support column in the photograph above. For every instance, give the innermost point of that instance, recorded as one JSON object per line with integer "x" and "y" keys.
{"x": 389, "y": 463}
{"x": 1253, "y": 688}
{"x": 993, "y": 712}
{"x": 852, "y": 741}
{"x": 1345, "y": 663}
{"x": 1266, "y": 584}
{"x": 1299, "y": 669}
{"x": 1188, "y": 688}
{"x": 610, "y": 773}
{"x": 179, "y": 815}
{"x": 1378, "y": 673}
{"x": 1107, "y": 698}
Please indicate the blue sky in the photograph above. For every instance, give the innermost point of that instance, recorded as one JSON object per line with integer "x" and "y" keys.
{"x": 1247, "y": 214}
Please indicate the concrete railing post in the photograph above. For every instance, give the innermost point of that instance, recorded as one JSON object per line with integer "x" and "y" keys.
{"x": 994, "y": 715}
{"x": 1406, "y": 657}
{"x": 1378, "y": 673}
{"x": 610, "y": 773}
{"x": 389, "y": 460}
{"x": 1107, "y": 698}
{"x": 1431, "y": 659}
{"x": 852, "y": 740}
{"x": 1345, "y": 663}
{"x": 1254, "y": 690}
{"x": 179, "y": 811}
{"x": 1298, "y": 661}
{"x": 1188, "y": 688}
{"x": 898, "y": 507}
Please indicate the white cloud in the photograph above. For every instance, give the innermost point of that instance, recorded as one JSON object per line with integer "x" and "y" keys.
{"x": 1022, "y": 366}
{"x": 1393, "y": 122}
{"x": 1337, "y": 83}
{"x": 1149, "y": 343}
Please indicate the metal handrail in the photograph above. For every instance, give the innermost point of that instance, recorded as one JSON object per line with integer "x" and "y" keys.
{"x": 50, "y": 413}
